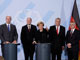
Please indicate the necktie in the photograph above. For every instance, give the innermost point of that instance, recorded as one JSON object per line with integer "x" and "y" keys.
{"x": 57, "y": 30}
{"x": 29, "y": 28}
{"x": 71, "y": 32}
{"x": 8, "y": 27}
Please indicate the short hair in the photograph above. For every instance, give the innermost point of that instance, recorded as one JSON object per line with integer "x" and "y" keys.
{"x": 58, "y": 19}
{"x": 29, "y": 18}
{"x": 72, "y": 23}
{"x": 40, "y": 23}
{"x": 9, "y": 16}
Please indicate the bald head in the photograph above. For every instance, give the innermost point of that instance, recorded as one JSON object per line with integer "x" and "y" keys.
{"x": 29, "y": 20}
{"x": 8, "y": 19}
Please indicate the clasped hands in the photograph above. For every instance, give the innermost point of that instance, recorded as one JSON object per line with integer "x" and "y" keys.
{"x": 7, "y": 42}
{"x": 69, "y": 45}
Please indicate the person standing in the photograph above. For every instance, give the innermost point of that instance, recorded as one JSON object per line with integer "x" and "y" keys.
{"x": 57, "y": 39}
{"x": 28, "y": 39}
{"x": 41, "y": 34}
{"x": 8, "y": 33}
{"x": 72, "y": 41}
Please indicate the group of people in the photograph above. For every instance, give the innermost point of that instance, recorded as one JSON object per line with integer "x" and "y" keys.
{"x": 30, "y": 36}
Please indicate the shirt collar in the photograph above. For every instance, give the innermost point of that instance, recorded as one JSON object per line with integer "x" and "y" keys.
{"x": 58, "y": 26}
{"x": 73, "y": 29}
{"x": 7, "y": 24}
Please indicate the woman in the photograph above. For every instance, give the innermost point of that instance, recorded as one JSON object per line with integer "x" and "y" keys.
{"x": 41, "y": 34}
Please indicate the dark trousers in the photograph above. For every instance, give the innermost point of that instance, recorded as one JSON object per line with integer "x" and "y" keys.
{"x": 2, "y": 48}
{"x": 72, "y": 55}
{"x": 29, "y": 51}
{"x": 56, "y": 52}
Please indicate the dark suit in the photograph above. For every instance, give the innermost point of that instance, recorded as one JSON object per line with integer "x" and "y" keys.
{"x": 6, "y": 35}
{"x": 42, "y": 37}
{"x": 27, "y": 38}
{"x": 74, "y": 40}
{"x": 57, "y": 41}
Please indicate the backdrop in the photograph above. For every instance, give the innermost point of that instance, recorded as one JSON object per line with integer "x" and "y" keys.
{"x": 38, "y": 10}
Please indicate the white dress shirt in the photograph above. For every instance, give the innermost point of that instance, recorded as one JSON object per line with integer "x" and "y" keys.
{"x": 29, "y": 26}
{"x": 58, "y": 29}
{"x": 72, "y": 30}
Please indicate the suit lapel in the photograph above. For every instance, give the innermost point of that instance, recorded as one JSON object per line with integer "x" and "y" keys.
{"x": 6, "y": 28}
{"x": 27, "y": 29}
{"x": 72, "y": 33}
{"x": 60, "y": 30}
{"x": 10, "y": 27}
{"x": 55, "y": 30}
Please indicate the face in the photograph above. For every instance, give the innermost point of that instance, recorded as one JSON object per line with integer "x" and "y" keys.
{"x": 8, "y": 19}
{"x": 29, "y": 20}
{"x": 72, "y": 25}
{"x": 40, "y": 26}
{"x": 57, "y": 22}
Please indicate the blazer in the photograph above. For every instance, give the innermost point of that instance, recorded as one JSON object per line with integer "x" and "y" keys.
{"x": 6, "y": 35}
{"x": 73, "y": 39}
{"x": 57, "y": 41}
{"x": 42, "y": 37}
{"x": 27, "y": 37}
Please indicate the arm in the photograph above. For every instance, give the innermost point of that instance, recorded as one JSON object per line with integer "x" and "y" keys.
{"x": 67, "y": 36}
{"x": 68, "y": 43}
{"x": 1, "y": 34}
{"x": 50, "y": 35}
{"x": 22, "y": 36}
{"x": 63, "y": 37}
{"x": 35, "y": 40}
{"x": 15, "y": 34}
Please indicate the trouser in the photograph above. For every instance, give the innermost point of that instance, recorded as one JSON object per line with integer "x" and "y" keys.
{"x": 56, "y": 52}
{"x": 29, "y": 52}
{"x": 72, "y": 55}
{"x": 2, "y": 48}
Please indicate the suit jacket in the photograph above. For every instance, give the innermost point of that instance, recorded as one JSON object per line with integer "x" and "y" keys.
{"x": 27, "y": 36}
{"x": 73, "y": 39}
{"x": 57, "y": 40}
{"x": 42, "y": 37}
{"x": 6, "y": 35}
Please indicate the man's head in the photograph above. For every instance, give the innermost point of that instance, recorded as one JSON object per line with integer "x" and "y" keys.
{"x": 8, "y": 19}
{"x": 57, "y": 21}
{"x": 29, "y": 20}
{"x": 72, "y": 25}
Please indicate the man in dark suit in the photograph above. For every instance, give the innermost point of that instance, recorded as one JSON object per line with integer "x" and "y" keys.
{"x": 28, "y": 39}
{"x": 57, "y": 39}
{"x": 8, "y": 33}
{"x": 72, "y": 40}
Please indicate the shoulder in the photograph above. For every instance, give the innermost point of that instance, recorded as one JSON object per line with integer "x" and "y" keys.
{"x": 62, "y": 26}
{"x": 68, "y": 31}
{"x": 13, "y": 25}
{"x": 45, "y": 30}
{"x": 78, "y": 31}
{"x": 24, "y": 26}
{"x": 2, "y": 25}
{"x": 33, "y": 25}
{"x": 52, "y": 26}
